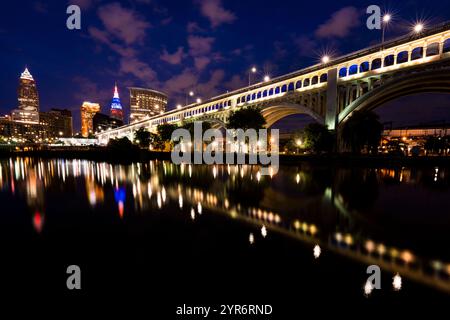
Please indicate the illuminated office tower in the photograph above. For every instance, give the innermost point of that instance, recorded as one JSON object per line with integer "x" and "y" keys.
{"x": 27, "y": 95}
{"x": 88, "y": 111}
{"x": 116, "y": 106}
{"x": 146, "y": 103}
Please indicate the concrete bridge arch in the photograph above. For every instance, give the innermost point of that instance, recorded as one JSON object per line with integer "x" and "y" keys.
{"x": 277, "y": 112}
{"x": 431, "y": 81}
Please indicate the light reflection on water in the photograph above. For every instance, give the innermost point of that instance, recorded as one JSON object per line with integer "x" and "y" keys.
{"x": 346, "y": 211}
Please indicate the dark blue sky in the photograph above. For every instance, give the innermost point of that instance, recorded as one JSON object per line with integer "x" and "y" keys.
{"x": 176, "y": 46}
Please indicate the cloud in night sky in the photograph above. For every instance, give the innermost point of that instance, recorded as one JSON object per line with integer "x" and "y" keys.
{"x": 123, "y": 23}
{"x": 174, "y": 58}
{"x": 340, "y": 24}
{"x": 216, "y": 13}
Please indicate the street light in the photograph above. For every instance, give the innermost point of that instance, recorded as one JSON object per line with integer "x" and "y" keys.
{"x": 266, "y": 78}
{"x": 418, "y": 28}
{"x": 252, "y": 70}
{"x": 199, "y": 100}
{"x": 179, "y": 106}
{"x": 325, "y": 59}
{"x": 386, "y": 18}
{"x": 189, "y": 94}
{"x": 298, "y": 142}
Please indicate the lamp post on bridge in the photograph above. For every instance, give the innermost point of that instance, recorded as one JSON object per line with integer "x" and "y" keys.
{"x": 254, "y": 70}
{"x": 189, "y": 94}
{"x": 386, "y": 19}
{"x": 418, "y": 28}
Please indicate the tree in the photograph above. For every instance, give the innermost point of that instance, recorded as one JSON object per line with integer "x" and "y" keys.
{"x": 142, "y": 137}
{"x": 190, "y": 127}
{"x": 246, "y": 118}
{"x": 165, "y": 131}
{"x": 436, "y": 145}
{"x": 165, "y": 134}
{"x": 156, "y": 142}
{"x": 317, "y": 138}
{"x": 121, "y": 145}
{"x": 362, "y": 130}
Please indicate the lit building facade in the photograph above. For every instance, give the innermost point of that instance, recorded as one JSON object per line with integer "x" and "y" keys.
{"x": 88, "y": 110}
{"x": 146, "y": 103}
{"x": 57, "y": 122}
{"x": 28, "y": 98}
{"x": 116, "y": 106}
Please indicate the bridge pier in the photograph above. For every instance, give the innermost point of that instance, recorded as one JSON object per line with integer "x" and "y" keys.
{"x": 332, "y": 99}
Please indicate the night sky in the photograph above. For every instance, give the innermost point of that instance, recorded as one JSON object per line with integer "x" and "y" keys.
{"x": 206, "y": 46}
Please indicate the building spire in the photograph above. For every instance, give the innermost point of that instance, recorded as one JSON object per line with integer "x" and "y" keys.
{"x": 116, "y": 107}
{"x": 26, "y": 74}
{"x": 116, "y": 92}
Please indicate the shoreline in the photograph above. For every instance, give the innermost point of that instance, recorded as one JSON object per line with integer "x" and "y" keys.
{"x": 136, "y": 155}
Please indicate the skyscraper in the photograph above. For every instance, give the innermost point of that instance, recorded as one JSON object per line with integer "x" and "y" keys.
{"x": 27, "y": 95}
{"x": 88, "y": 111}
{"x": 146, "y": 103}
{"x": 116, "y": 106}
{"x": 57, "y": 123}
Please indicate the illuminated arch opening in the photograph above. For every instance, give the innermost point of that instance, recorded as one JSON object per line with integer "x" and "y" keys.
{"x": 353, "y": 70}
{"x": 433, "y": 49}
{"x": 417, "y": 53}
{"x": 446, "y": 47}
{"x": 343, "y": 72}
{"x": 389, "y": 60}
{"x": 364, "y": 67}
{"x": 376, "y": 64}
{"x": 402, "y": 57}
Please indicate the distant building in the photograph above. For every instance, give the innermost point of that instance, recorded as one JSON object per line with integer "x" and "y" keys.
{"x": 57, "y": 122}
{"x": 116, "y": 106}
{"x": 88, "y": 110}
{"x": 418, "y": 132}
{"x": 5, "y": 126}
{"x": 102, "y": 122}
{"x": 28, "y": 98}
{"x": 413, "y": 140}
{"x": 146, "y": 103}
{"x": 20, "y": 132}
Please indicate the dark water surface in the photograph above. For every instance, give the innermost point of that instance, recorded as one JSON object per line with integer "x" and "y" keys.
{"x": 211, "y": 235}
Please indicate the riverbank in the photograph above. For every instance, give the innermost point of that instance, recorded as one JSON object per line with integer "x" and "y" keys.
{"x": 138, "y": 155}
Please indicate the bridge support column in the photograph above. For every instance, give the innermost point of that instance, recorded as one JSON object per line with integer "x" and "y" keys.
{"x": 332, "y": 100}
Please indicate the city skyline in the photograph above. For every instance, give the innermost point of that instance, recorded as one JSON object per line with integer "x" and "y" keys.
{"x": 204, "y": 51}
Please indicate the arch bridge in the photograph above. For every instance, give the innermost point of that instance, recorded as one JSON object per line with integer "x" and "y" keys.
{"x": 329, "y": 92}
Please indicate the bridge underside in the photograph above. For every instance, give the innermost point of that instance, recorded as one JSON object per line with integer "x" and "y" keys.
{"x": 431, "y": 81}
{"x": 275, "y": 113}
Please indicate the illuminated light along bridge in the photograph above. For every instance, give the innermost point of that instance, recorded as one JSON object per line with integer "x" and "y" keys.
{"x": 328, "y": 92}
